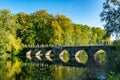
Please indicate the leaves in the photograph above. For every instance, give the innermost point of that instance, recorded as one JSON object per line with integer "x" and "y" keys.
{"x": 12, "y": 69}
{"x": 111, "y": 17}
{"x": 8, "y": 28}
{"x": 13, "y": 43}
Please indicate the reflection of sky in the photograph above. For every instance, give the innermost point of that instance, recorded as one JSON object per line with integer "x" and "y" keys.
{"x": 79, "y": 11}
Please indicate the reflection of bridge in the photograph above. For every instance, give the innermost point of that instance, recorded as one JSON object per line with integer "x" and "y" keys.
{"x": 54, "y": 55}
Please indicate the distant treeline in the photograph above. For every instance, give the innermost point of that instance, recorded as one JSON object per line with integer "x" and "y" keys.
{"x": 44, "y": 28}
{"x": 41, "y": 27}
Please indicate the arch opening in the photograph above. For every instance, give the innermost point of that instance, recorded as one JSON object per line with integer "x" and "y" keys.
{"x": 100, "y": 57}
{"x": 49, "y": 55}
{"x": 28, "y": 54}
{"x": 64, "y": 56}
{"x": 81, "y": 56}
{"x": 38, "y": 55}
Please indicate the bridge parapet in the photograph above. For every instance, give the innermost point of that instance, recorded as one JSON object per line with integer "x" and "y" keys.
{"x": 68, "y": 45}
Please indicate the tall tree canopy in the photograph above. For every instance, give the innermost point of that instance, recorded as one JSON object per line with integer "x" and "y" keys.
{"x": 67, "y": 28}
{"x": 111, "y": 17}
{"x": 8, "y": 38}
{"x": 41, "y": 27}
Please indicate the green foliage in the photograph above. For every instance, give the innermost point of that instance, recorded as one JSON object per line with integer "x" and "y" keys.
{"x": 101, "y": 57}
{"x": 25, "y": 30}
{"x": 115, "y": 72}
{"x": 84, "y": 35}
{"x": 113, "y": 76}
{"x": 64, "y": 56}
{"x": 56, "y": 37}
{"x": 8, "y": 26}
{"x": 67, "y": 28}
{"x": 77, "y": 36}
{"x": 41, "y": 27}
{"x": 117, "y": 56}
{"x": 83, "y": 57}
{"x": 10, "y": 69}
{"x": 42, "y": 22}
{"x": 111, "y": 16}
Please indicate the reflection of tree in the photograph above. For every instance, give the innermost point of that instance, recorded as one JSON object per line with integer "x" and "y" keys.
{"x": 34, "y": 71}
{"x": 13, "y": 69}
{"x": 66, "y": 73}
{"x": 3, "y": 71}
{"x": 57, "y": 72}
{"x": 10, "y": 69}
{"x": 42, "y": 73}
{"x": 27, "y": 73}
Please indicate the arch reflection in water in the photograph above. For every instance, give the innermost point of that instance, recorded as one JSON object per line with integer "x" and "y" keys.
{"x": 64, "y": 56}
{"x": 81, "y": 56}
{"x": 100, "y": 57}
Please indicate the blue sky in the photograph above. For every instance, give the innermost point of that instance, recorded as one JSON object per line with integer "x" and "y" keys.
{"x": 79, "y": 11}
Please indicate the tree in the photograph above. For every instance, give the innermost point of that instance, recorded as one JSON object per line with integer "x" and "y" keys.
{"x": 67, "y": 28}
{"x": 8, "y": 28}
{"x": 111, "y": 16}
{"x": 100, "y": 34}
{"x": 3, "y": 41}
{"x": 77, "y": 34}
{"x": 86, "y": 32}
{"x": 42, "y": 26}
{"x": 25, "y": 31}
{"x": 56, "y": 34}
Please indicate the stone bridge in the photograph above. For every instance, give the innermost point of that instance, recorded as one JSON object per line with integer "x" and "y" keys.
{"x": 55, "y": 55}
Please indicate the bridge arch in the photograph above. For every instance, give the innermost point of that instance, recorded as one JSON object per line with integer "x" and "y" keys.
{"x": 49, "y": 55}
{"x": 100, "y": 56}
{"x": 81, "y": 56}
{"x": 64, "y": 56}
{"x": 28, "y": 54}
{"x": 38, "y": 55}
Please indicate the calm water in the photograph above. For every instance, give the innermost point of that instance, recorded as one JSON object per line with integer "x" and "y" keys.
{"x": 20, "y": 68}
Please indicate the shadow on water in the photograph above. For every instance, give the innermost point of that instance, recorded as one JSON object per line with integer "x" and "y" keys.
{"x": 20, "y": 68}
